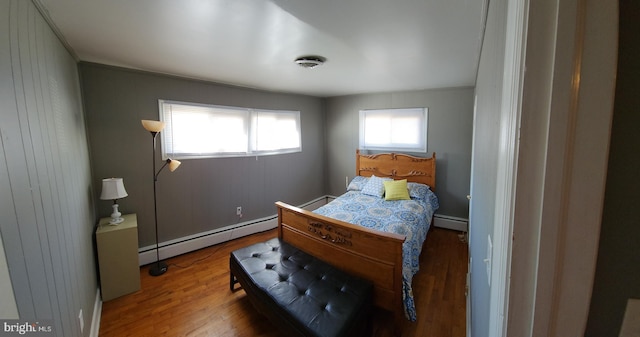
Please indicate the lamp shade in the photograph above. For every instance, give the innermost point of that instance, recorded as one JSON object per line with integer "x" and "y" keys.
{"x": 112, "y": 189}
{"x": 152, "y": 126}
{"x": 173, "y": 164}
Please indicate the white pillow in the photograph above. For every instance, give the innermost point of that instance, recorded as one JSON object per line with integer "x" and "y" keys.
{"x": 374, "y": 187}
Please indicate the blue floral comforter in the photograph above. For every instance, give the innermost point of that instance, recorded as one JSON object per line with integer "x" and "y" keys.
{"x": 411, "y": 218}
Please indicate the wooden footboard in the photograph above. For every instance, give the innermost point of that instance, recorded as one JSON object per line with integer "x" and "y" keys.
{"x": 370, "y": 254}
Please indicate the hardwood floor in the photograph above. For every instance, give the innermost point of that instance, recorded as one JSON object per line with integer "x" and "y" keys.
{"x": 193, "y": 297}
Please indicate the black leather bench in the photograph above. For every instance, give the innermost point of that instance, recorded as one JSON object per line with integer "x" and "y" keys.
{"x": 301, "y": 295}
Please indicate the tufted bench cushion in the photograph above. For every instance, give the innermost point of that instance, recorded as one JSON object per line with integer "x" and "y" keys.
{"x": 301, "y": 295}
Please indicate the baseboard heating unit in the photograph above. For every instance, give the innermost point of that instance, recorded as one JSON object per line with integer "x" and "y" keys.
{"x": 197, "y": 241}
{"x": 450, "y": 222}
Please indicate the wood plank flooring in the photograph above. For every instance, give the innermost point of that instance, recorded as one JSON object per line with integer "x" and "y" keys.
{"x": 193, "y": 297}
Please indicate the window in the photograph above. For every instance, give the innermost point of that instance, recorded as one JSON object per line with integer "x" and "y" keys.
{"x": 200, "y": 131}
{"x": 394, "y": 129}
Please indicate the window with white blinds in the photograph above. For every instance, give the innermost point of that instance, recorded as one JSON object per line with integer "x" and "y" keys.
{"x": 199, "y": 131}
{"x": 394, "y": 129}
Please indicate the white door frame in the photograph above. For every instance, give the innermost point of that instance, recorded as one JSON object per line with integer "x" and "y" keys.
{"x": 579, "y": 81}
{"x": 567, "y": 98}
{"x": 512, "y": 87}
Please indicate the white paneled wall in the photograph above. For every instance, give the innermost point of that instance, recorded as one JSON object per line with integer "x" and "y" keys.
{"x": 45, "y": 184}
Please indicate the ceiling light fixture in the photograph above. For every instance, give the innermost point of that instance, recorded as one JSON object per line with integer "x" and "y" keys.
{"x": 310, "y": 61}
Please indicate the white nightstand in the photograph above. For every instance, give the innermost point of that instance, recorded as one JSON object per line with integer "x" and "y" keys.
{"x": 118, "y": 257}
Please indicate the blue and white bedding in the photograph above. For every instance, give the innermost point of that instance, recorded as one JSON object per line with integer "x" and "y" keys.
{"x": 363, "y": 205}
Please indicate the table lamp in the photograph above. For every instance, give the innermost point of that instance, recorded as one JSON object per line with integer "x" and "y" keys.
{"x": 113, "y": 189}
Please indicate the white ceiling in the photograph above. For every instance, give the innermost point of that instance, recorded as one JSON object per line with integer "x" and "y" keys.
{"x": 370, "y": 45}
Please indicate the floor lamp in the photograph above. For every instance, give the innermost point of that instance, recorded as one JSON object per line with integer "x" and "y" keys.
{"x": 159, "y": 267}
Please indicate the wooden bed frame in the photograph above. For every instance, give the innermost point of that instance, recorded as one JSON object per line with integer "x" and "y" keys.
{"x": 370, "y": 254}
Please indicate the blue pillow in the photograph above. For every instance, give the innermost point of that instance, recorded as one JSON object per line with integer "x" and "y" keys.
{"x": 357, "y": 184}
{"x": 418, "y": 191}
{"x": 374, "y": 187}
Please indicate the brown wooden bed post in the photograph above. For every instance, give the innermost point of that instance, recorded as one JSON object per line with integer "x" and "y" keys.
{"x": 433, "y": 171}
{"x": 279, "y": 221}
{"x": 398, "y": 312}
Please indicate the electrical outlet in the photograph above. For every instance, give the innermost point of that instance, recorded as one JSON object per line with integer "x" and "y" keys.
{"x": 239, "y": 210}
{"x": 81, "y": 321}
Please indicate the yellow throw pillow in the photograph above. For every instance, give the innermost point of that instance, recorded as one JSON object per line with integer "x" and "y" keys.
{"x": 396, "y": 190}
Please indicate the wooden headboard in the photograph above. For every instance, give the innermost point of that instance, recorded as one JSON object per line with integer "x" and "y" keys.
{"x": 398, "y": 166}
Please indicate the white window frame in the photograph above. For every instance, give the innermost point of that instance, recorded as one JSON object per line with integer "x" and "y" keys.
{"x": 394, "y": 116}
{"x": 248, "y": 131}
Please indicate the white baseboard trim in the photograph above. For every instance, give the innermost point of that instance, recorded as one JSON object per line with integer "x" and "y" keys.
{"x": 450, "y": 222}
{"x": 311, "y": 205}
{"x": 147, "y": 255}
{"x": 97, "y": 313}
{"x": 330, "y": 198}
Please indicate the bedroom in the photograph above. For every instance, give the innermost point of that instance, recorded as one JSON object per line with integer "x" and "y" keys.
{"x": 136, "y": 142}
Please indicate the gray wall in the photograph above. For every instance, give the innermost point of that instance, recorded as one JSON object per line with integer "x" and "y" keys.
{"x": 202, "y": 194}
{"x": 449, "y": 135}
{"x": 618, "y": 269}
{"x": 45, "y": 185}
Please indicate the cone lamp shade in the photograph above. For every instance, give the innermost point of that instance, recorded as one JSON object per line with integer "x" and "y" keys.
{"x": 173, "y": 164}
{"x": 152, "y": 126}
